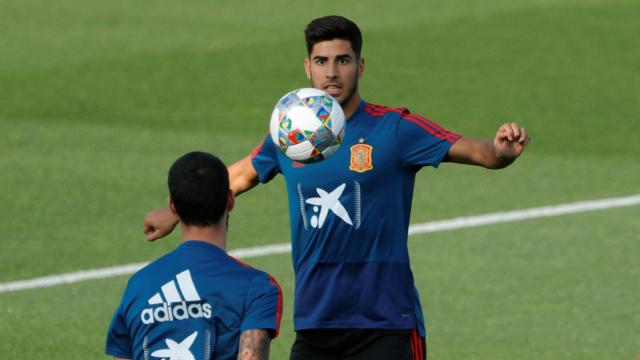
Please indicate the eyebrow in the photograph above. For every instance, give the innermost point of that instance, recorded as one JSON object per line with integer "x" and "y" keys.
{"x": 339, "y": 57}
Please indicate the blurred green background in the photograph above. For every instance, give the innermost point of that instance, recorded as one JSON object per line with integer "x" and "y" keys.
{"x": 97, "y": 99}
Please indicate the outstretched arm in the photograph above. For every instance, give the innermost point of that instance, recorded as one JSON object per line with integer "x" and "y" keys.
{"x": 508, "y": 144}
{"x": 254, "y": 345}
{"x": 242, "y": 176}
{"x": 159, "y": 223}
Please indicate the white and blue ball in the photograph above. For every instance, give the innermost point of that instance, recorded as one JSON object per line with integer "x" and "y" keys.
{"x": 307, "y": 125}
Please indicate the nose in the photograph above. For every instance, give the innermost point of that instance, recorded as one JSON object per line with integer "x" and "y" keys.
{"x": 332, "y": 70}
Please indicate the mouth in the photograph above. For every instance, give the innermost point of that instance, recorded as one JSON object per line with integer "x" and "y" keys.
{"x": 333, "y": 89}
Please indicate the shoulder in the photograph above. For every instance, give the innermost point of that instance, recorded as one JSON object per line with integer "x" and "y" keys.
{"x": 152, "y": 275}
{"x": 152, "y": 268}
{"x": 265, "y": 142}
{"x": 410, "y": 122}
{"x": 383, "y": 111}
{"x": 253, "y": 273}
{"x": 257, "y": 277}
{"x": 402, "y": 114}
{"x": 413, "y": 124}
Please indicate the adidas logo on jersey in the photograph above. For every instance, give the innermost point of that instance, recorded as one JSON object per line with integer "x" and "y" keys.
{"x": 174, "y": 306}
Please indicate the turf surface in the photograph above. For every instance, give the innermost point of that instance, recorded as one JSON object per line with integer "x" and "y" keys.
{"x": 98, "y": 98}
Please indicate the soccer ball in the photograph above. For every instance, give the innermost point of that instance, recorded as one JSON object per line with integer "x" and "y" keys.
{"x": 307, "y": 125}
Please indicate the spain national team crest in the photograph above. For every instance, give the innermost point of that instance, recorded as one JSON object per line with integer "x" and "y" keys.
{"x": 361, "y": 159}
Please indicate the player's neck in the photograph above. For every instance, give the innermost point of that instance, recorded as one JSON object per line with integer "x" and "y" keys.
{"x": 215, "y": 235}
{"x": 351, "y": 106}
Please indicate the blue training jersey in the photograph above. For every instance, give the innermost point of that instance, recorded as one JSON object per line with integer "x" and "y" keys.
{"x": 194, "y": 301}
{"x": 349, "y": 218}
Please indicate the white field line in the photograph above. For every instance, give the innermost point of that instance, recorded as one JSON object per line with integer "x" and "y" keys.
{"x": 428, "y": 227}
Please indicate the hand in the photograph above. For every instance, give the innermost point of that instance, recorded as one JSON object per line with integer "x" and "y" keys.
{"x": 510, "y": 141}
{"x": 159, "y": 223}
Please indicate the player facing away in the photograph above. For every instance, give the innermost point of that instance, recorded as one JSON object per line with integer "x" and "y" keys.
{"x": 197, "y": 302}
{"x": 355, "y": 296}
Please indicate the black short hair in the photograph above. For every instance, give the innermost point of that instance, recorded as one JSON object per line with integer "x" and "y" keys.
{"x": 333, "y": 27}
{"x": 199, "y": 187}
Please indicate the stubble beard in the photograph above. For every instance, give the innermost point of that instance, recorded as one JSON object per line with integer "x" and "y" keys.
{"x": 349, "y": 94}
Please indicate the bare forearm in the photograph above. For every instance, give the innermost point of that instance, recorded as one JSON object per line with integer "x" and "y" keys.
{"x": 159, "y": 222}
{"x": 508, "y": 144}
{"x": 477, "y": 152}
{"x": 488, "y": 157}
{"x": 242, "y": 176}
{"x": 254, "y": 345}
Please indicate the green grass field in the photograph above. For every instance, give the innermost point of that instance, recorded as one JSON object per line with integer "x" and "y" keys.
{"x": 98, "y": 98}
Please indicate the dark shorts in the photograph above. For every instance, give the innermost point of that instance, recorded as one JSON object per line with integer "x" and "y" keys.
{"x": 356, "y": 344}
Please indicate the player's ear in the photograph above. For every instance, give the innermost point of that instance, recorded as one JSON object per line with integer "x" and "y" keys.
{"x": 171, "y": 206}
{"x": 231, "y": 200}
{"x": 307, "y": 67}
{"x": 360, "y": 67}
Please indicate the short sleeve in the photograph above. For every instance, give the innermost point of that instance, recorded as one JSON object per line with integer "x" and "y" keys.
{"x": 423, "y": 142}
{"x": 118, "y": 339}
{"x": 265, "y": 160}
{"x": 263, "y": 309}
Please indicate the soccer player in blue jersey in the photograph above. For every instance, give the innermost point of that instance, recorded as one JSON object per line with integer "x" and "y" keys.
{"x": 197, "y": 302}
{"x": 355, "y": 296}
